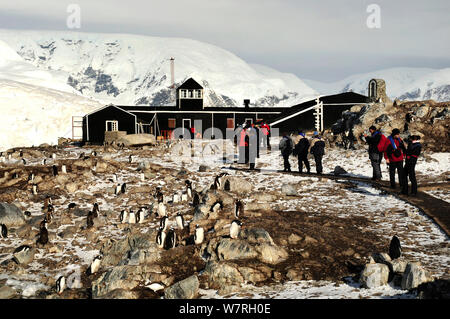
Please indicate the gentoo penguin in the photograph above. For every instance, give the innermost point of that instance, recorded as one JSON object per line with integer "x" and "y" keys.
{"x": 184, "y": 197}
{"x": 161, "y": 209}
{"x": 171, "y": 239}
{"x": 395, "y": 249}
{"x": 216, "y": 206}
{"x": 24, "y": 161}
{"x": 163, "y": 223}
{"x": 4, "y": 231}
{"x": 54, "y": 170}
{"x": 54, "y": 156}
{"x": 43, "y": 233}
{"x": 95, "y": 265}
{"x": 176, "y": 198}
{"x": 94, "y": 153}
{"x": 189, "y": 188}
{"x": 27, "y": 215}
{"x": 15, "y": 176}
{"x": 95, "y": 210}
{"x": 60, "y": 285}
{"x": 180, "y": 221}
{"x": 114, "y": 178}
{"x": 123, "y": 188}
{"x": 227, "y": 186}
{"x": 235, "y": 228}
{"x": 238, "y": 209}
{"x": 123, "y": 216}
{"x": 130, "y": 159}
{"x": 64, "y": 169}
{"x": 72, "y": 206}
{"x": 35, "y": 189}
{"x": 132, "y": 217}
{"x": 140, "y": 215}
{"x": 161, "y": 237}
{"x": 44, "y": 161}
{"x": 21, "y": 153}
{"x": 199, "y": 235}
{"x": 21, "y": 248}
{"x": 90, "y": 220}
{"x": 196, "y": 200}
{"x": 160, "y": 197}
{"x": 117, "y": 190}
{"x": 142, "y": 177}
{"x": 31, "y": 177}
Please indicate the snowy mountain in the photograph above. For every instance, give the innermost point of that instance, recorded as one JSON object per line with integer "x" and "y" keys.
{"x": 36, "y": 105}
{"x": 132, "y": 69}
{"x": 402, "y": 83}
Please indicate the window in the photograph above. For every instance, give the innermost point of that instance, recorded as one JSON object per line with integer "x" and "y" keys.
{"x": 172, "y": 123}
{"x": 183, "y": 94}
{"x": 249, "y": 121}
{"x": 112, "y": 126}
{"x": 198, "y": 94}
{"x": 191, "y": 94}
{"x": 230, "y": 123}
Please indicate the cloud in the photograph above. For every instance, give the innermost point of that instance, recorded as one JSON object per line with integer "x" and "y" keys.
{"x": 293, "y": 35}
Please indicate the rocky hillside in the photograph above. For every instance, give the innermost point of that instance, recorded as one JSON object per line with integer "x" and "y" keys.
{"x": 429, "y": 119}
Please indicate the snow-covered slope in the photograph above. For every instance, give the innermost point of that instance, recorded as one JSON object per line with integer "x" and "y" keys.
{"x": 402, "y": 83}
{"x": 13, "y": 67}
{"x": 132, "y": 69}
{"x": 32, "y": 115}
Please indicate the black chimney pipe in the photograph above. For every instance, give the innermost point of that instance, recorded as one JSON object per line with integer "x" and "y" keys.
{"x": 246, "y": 103}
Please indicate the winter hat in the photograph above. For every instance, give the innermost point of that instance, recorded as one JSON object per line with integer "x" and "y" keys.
{"x": 395, "y": 131}
{"x": 316, "y": 133}
{"x": 302, "y": 134}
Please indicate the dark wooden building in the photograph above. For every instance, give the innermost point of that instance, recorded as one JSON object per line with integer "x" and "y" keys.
{"x": 189, "y": 111}
{"x": 333, "y": 105}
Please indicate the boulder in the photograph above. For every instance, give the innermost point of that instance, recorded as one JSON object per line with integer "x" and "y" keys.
{"x": 7, "y": 292}
{"x": 437, "y": 289}
{"x": 253, "y": 275}
{"x": 204, "y": 168}
{"x": 263, "y": 197}
{"x": 294, "y": 239}
{"x": 120, "y": 294}
{"x": 374, "y": 275}
{"x": 120, "y": 277}
{"x": 415, "y": 275}
{"x": 11, "y": 215}
{"x": 339, "y": 171}
{"x": 231, "y": 249}
{"x": 137, "y": 139}
{"x": 271, "y": 254}
{"x": 256, "y": 236}
{"x": 289, "y": 190}
{"x": 236, "y": 185}
{"x": 253, "y": 206}
{"x": 185, "y": 289}
{"x": 222, "y": 274}
{"x": 24, "y": 257}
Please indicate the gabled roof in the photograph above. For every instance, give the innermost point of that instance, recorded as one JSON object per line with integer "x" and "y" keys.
{"x": 190, "y": 84}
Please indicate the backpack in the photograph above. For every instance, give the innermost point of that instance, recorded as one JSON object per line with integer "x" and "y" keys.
{"x": 382, "y": 145}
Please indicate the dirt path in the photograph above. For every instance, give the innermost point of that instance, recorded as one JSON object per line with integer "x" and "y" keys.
{"x": 435, "y": 208}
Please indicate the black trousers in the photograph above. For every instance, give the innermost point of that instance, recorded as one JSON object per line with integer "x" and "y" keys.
{"x": 401, "y": 175}
{"x": 318, "y": 160}
{"x": 303, "y": 158}
{"x": 287, "y": 165}
{"x": 410, "y": 171}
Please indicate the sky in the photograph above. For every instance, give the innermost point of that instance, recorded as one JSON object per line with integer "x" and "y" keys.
{"x": 322, "y": 40}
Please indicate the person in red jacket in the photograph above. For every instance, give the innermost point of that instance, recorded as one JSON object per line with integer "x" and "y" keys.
{"x": 265, "y": 128}
{"x": 243, "y": 146}
{"x": 394, "y": 157}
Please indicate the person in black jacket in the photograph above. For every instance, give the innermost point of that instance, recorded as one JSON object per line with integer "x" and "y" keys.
{"x": 301, "y": 150}
{"x": 318, "y": 150}
{"x": 375, "y": 155}
{"x": 412, "y": 153}
{"x": 286, "y": 146}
